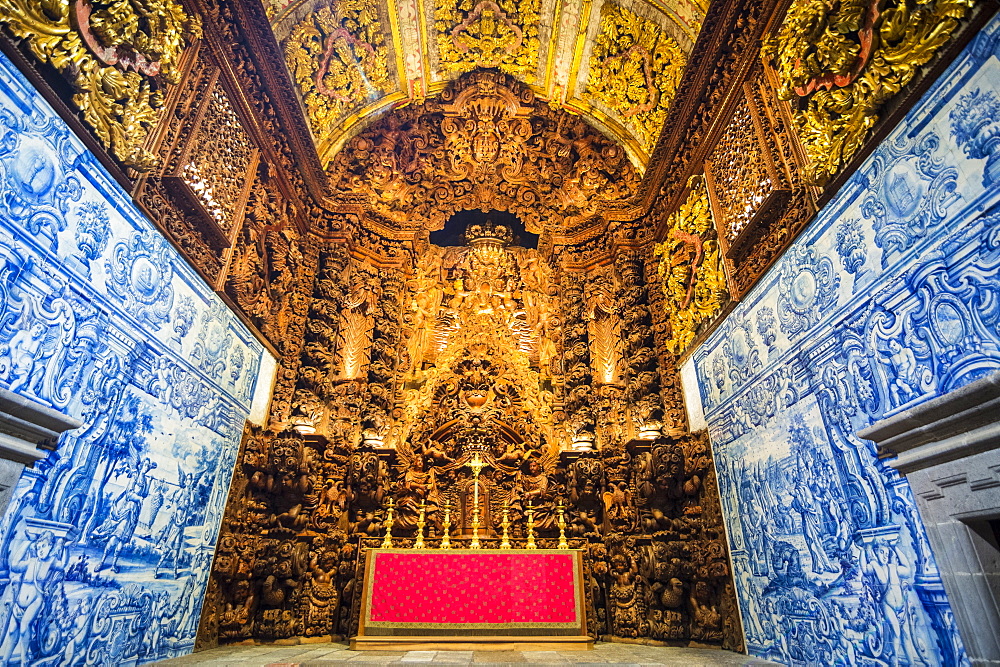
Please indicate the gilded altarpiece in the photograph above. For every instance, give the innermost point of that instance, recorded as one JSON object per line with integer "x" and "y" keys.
{"x": 476, "y": 352}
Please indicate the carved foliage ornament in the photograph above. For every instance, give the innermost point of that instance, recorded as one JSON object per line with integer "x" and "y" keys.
{"x": 485, "y": 143}
{"x": 118, "y": 55}
{"x": 691, "y": 271}
{"x": 635, "y": 69}
{"x": 489, "y": 33}
{"x": 339, "y": 59}
{"x": 841, "y": 62}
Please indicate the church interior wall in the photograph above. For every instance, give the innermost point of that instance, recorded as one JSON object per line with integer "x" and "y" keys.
{"x": 106, "y": 547}
{"x": 288, "y": 215}
{"x": 888, "y": 299}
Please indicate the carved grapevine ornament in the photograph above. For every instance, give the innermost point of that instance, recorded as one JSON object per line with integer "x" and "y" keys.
{"x": 839, "y": 63}
{"x": 119, "y": 56}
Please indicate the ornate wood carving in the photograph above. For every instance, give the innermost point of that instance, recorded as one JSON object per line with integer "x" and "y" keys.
{"x": 339, "y": 58}
{"x": 744, "y": 183}
{"x": 691, "y": 271}
{"x": 842, "y": 63}
{"x": 778, "y": 220}
{"x": 501, "y": 34}
{"x": 635, "y": 69}
{"x": 120, "y": 57}
{"x": 214, "y": 170}
{"x": 489, "y": 361}
{"x": 474, "y": 147}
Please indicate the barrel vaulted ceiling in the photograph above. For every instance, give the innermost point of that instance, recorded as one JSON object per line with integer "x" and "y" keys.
{"x": 614, "y": 62}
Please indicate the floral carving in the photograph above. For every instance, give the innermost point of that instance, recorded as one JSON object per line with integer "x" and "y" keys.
{"x": 119, "y": 56}
{"x": 339, "y": 59}
{"x": 501, "y": 34}
{"x": 691, "y": 271}
{"x": 842, "y": 62}
{"x": 635, "y": 69}
{"x": 217, "y": 164}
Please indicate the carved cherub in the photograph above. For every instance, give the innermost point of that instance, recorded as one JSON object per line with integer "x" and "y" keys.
{"x": 513, "y": 455}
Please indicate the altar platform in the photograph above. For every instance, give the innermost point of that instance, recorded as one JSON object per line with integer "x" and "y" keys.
{"x": 473, "y": 599}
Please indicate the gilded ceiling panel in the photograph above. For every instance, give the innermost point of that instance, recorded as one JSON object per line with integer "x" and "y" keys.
{"x": 616, "y": 63}
{"x": 488, "y": 33}
{"x": 635, "y": 67}
{"x": 339, "y": 58}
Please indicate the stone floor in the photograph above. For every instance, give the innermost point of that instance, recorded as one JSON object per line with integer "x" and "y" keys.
{"x": 325, "y": 654}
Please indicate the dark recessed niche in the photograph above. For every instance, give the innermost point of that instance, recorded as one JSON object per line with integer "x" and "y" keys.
{"x": 451, "y": 233}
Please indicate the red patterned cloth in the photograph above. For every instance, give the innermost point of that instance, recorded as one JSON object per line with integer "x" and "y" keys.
{"x": 473, "y": 590}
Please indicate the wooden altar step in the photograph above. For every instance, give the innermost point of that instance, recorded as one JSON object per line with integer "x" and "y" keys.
{"x": 471, "y": 643}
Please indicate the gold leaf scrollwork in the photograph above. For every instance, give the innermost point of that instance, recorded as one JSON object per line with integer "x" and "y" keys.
{"x": 118, "y": 55}
{"x": 691, "y": 270}
{"x": 489, "y": 33}
{"x": 635, "y": 69}
{"x": 840, "y": 63}
{"x": 339, "y": 60}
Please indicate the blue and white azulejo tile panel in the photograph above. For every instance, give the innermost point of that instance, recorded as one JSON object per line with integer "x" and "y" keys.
{"x": 891, "y": 297}
{"x": 106, "y": 547}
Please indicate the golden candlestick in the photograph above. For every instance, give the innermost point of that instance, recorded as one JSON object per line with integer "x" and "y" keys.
{"x": 446, "y": 538}
{"x": 477, "y": 464}
{"x": 505, "y": 538}
{"x": 531, "y": 528}
{"x": 387, "y": 542}
{"x": 563, "y": 544}
{"x": 421, "y": 522}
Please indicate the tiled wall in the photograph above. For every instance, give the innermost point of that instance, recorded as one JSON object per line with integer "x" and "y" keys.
{"x": 891, "y": 297}
{"x": 106, "y": 546}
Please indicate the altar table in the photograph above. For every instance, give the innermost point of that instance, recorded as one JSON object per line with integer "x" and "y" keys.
{"x": 473, "y": 595}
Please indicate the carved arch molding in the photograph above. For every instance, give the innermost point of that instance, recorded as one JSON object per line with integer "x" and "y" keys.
{"x": 486, "y": 142}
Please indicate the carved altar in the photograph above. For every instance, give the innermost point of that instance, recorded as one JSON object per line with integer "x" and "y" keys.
{"x": 493, "y": 599}
{"x": 483, "y": 352}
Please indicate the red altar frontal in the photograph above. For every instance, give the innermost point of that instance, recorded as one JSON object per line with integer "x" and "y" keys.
{"x": 473, "y": 596}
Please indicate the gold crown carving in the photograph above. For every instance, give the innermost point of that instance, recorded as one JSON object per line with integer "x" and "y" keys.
{"x": 488, "y": 233}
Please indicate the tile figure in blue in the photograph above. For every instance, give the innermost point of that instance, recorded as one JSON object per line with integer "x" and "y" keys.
{"x": 890, "y": 298}
{"x": 106, "y": 546}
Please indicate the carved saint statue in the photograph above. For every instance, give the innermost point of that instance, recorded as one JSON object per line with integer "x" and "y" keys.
{"x": 533, "y": 486}
{"x": 419, "y": 484}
